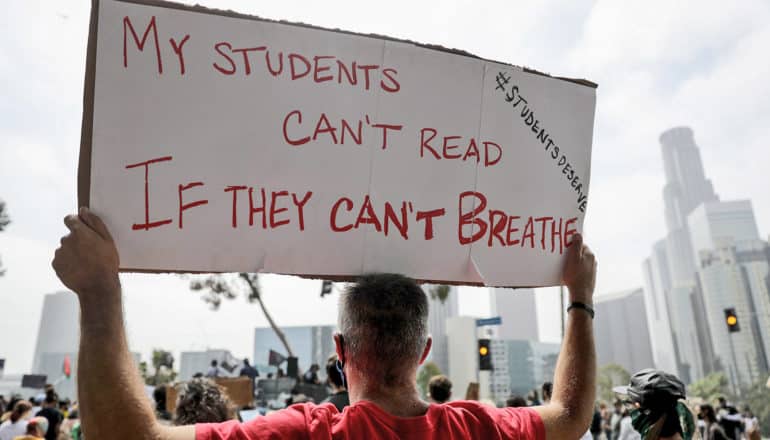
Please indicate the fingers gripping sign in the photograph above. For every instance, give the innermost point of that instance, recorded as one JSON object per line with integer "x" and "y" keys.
{"x": 87, "y": 260}
{"x": 580, "y": 271}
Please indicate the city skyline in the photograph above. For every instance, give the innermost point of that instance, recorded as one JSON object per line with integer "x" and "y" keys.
{"x": 712, "y": 259}
{"x": 664, "y": 82}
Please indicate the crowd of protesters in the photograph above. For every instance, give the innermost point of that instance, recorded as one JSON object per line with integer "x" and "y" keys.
{"x": 381, "y": 342}
{"x": 43, "y": 416}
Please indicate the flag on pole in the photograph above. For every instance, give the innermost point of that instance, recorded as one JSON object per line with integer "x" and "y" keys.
{"x": 67, "y": 367}
{"x": 275, "y": 358}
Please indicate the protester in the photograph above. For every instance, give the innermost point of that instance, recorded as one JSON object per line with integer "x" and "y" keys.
{"x": 714, "y": 430}
{"x": 596, "y": 424}
{"x": 69, "y": 425}
{"x": 626, "y": 429}
{"x": 533, "y": 399}
{"x": 515, "y": 401}
{"x": 159, "y": 395}
{"x": 339, "y": 397}
{"x": 37, "y": 403}
{"x": 615, "y": 418}
{"x": 214, "y": 371}
{"x": 51, "y": 412}
{"x": 606, "y": 414}
{"x": 546, "y": 391}
{"x": 202, "y": 401}
{"x": 730, "y": 419}
{"x": 36, "y": 429}
{"x": 659, "y": 411}
{"x": 248, "y": 371}
{"x": 382, "y": 340}
{"x": 472, "y": 392}
{"x": 439, "y": 389}
{"x": 16, "y": 425}
{"x": 311, "y": 375}
{"x": 64, "y": 407}
{"x": 750, "y": 421}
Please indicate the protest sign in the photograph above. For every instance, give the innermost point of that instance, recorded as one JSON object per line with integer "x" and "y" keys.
{"x": 215, "y": 142}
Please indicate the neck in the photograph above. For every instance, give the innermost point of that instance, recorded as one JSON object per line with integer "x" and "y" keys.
{"x": 400, "y": 400}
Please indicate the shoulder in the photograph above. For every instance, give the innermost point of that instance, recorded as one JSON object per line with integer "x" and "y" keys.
{"x": 297, "y": 420}
{"x": 522, "y": 422}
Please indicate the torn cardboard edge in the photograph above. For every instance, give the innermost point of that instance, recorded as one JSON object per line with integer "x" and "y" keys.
{"x": 86, "y": 137}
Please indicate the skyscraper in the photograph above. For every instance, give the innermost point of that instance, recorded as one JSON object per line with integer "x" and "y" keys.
{"x": 686, "y": 188}
{"x": 657, "y": 282}
{"x": 710, "y": 259}
{"x": 59, "y": 331}
{"x": 439, "y": 310}
{"x": 622, "y": 335}
{"x": 733, "y": 272}
{"x": 518, "y": 311}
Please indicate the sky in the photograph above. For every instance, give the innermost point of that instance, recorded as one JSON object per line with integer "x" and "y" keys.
{"x": 658, "y": 64}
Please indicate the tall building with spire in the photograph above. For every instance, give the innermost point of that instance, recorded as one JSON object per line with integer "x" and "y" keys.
{"x": 700, "y": 268}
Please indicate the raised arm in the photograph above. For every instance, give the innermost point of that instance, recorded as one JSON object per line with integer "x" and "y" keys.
{"x": 112, "y": 400}
{"x": 569, "y": 413}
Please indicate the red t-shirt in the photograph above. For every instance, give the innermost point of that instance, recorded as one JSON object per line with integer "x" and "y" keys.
{"x": 365, "y": 420}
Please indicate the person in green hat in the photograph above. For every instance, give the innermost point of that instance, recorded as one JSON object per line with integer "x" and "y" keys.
{"x": 658, "y": 410}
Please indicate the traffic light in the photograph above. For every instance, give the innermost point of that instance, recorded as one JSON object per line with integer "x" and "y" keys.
{"x": 731, "y": 319}
{"x": 485, "y": 355}
{"x": 326, "y": 288}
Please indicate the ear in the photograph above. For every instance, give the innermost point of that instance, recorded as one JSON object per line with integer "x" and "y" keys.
{"x": 426, "y": 350}
{"x": 339, "y": 347}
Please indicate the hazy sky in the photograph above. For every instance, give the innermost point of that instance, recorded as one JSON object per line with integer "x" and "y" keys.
{"x": 658, "y": 64}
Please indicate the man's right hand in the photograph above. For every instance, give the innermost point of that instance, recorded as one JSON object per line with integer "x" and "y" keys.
{"x": 580, "y": 271}
{"x": 87, "y": 261}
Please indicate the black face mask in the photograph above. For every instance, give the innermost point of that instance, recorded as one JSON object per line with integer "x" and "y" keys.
{"x": 678, "y": 420}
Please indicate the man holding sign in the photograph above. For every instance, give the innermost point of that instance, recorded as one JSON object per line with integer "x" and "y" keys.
{"x": 219, "y": 142}
{"x": 382, "y": 341}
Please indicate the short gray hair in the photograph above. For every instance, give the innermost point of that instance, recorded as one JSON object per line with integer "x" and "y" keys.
{"x": 383, "y": 319}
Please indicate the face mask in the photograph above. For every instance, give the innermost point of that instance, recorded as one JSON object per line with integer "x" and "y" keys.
{"x": 644, "y": 420}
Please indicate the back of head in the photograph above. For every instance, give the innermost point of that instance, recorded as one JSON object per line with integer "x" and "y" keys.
{"x": 332, "y": 373}
{"x": 515, "y": 402}
{"x": 440, "y": 388}
{"x": 20, "y": 408}
{"x": 51, "y": 399}
{"x": 202, "y": 401}
{"x": 214, "y": 363}
{"x": 547, "y": 391}
{"x": 708, "y": 413}
{"x": 37, "y": 426}
{"x": 383, "y": 319}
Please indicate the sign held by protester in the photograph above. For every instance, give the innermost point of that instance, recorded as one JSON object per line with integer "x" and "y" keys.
{"x": 214, "y": 142}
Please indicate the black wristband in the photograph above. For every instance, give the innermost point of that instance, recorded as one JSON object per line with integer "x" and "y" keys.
{"x": 584, "y": 306}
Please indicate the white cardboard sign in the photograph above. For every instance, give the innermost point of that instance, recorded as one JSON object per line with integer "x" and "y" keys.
{"x": 217, "y": 142}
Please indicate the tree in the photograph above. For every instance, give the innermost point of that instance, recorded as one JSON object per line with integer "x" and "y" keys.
{"x": 428, "y": 370}
{"x": 757, "y": 397}
{"x": 710, "y": 387}
{"x": 4, "y": 222}
{"x": 229, "y": 286}
{"x": 163, "y": 366}
{"x": 609, "y": 376}
{"x": 440, "y": 292}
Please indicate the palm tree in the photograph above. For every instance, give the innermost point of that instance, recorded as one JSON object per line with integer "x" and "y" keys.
{"x": 229, "y": 286}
